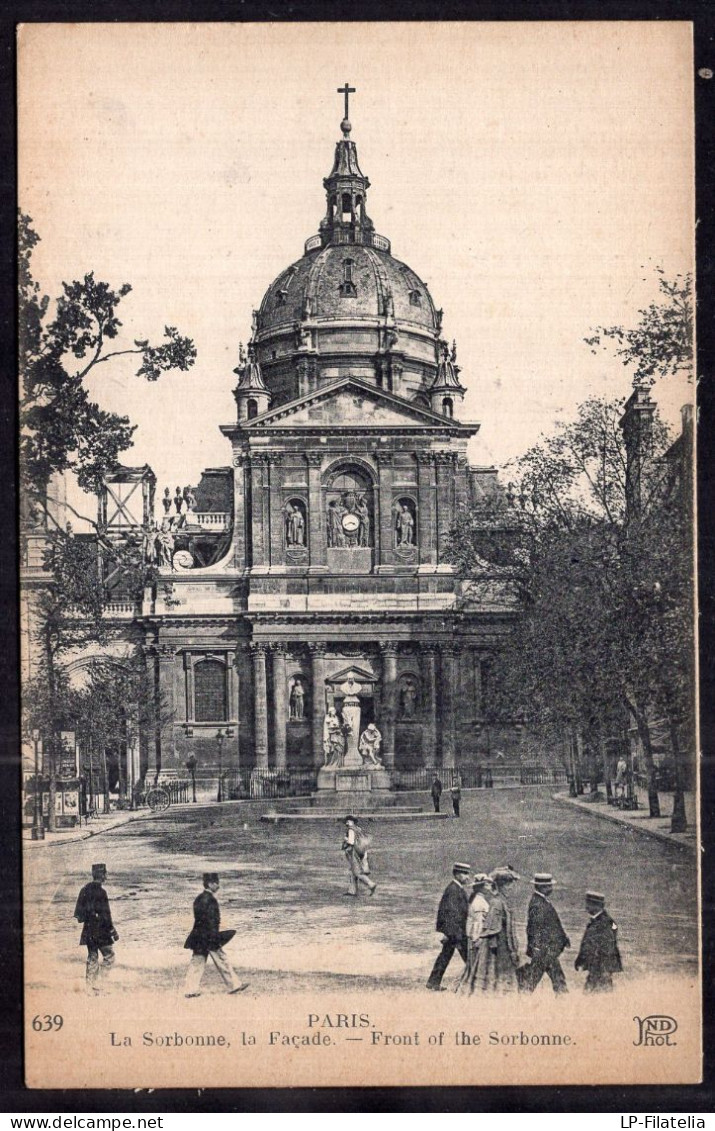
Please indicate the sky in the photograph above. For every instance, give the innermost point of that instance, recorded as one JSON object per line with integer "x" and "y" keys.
{"x": 533, "y": 174}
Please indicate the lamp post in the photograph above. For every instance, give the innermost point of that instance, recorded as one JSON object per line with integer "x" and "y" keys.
{"x": 38, "y": 825}
{"x": 220, "y": 737}
{"x": 191, "y": 767}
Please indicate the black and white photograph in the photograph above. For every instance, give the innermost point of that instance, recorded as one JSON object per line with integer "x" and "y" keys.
{"x": 357, "y": 432}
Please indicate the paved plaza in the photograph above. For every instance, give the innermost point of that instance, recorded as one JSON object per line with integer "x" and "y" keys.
{"x": 282, "y": 889}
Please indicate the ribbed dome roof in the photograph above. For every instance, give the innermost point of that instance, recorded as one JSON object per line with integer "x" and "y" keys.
{"x": 315, "y": 288}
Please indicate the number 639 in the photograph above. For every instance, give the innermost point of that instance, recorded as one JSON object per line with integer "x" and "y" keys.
{"x": 47, "y": 1023}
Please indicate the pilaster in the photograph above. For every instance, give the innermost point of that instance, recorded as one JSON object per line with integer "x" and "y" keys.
{"x": 260, "y": 704}
{"x": 317, "y": 653}
{"x": 279, "y": 705}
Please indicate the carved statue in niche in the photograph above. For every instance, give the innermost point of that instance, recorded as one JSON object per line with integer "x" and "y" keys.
{"x": 336, "y": 513}
{"x": 296, "y": 700}
{"x": 404, "y": 510}
{"x": 349, "y": 520}
{"x": 294, "y": 513}
{"x": 408, "y": 697}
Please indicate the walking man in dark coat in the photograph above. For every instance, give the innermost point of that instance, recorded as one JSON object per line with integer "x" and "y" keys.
{"x": 599, "y": 952}
{"x": 452, "y": 922}
{"x": 98, "y": 933}
{"x": 436, "y": 792}
{"x": 206, "y": 939}
{"x": 545, "y": 938}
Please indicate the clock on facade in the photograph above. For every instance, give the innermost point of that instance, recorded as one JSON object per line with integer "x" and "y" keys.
{"x": 351, "y": 523}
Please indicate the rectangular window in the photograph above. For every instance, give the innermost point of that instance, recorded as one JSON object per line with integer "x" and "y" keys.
{"x": 210, "y": 693}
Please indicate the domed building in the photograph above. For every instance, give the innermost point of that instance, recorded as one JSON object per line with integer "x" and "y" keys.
{"x": 317, "y": 559}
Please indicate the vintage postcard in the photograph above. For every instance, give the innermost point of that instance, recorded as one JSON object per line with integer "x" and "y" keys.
{"x": 357, "y": 453}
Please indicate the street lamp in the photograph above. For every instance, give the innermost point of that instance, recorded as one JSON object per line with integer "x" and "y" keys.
{"x": 38, "y": 825}
{"x": 220, "y": 737}
{"x": 191, "y": 767}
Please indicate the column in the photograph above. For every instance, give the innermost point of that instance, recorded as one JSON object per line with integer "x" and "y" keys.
{"x": 260, "y": 705}
{"x": 389, "y": 681}
{"x": 317, "y": 652}
{"x": 239, "y": 511}
{"x": 279, "y": 705}
{"x": 446, "y": 463}
{"x": 429, "y": 731}
{"x": 259, "y": 528}
{"x": 426, "y": 529}
{"x": 273, "y": 504}
{"x": 167, "y": 707}
{"x": 477, "y": 683}
{"x": 151, "y": 730}
{"x": 189, "y": 684}
{"x": 447, "y": 716}
{"x": 387, "y": 534}
{"x": 316, "y": 518}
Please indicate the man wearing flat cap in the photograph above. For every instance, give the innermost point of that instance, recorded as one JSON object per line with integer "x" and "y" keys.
{"x": 207, "y": 940}
{"x": 98, "y": 933}
{"x": 452, "y": 923}
{"x": 545, "y": 938}
{"x": 599, "y": 953}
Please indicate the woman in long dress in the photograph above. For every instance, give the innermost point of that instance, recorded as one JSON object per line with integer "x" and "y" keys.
{"x": 476, "y": 917}
{"x": 498, "y": 956}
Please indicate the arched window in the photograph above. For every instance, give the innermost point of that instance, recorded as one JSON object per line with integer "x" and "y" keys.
{"x": 252, "y": 409}
{"x": 448, "y": 406}
{"x": 210, "y": 698}
{"x": 415, "y": 298}
{"x": 346, "y": 207}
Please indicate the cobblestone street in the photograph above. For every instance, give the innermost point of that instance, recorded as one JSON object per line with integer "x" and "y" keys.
{"x": 282, "y": 889}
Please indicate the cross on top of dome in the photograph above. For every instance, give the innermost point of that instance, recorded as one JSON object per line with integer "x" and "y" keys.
{"x": 347, "y": 91}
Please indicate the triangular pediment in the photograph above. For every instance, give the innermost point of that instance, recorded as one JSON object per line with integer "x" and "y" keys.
{"x": 353, "y": 404}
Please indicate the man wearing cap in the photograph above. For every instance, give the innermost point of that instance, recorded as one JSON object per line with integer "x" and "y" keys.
{"x": 599, "y": 953}
{"x": 98, "y": 933}
{"x": 452, "y": 923}
{"x": 436, "y": 792}
{"x": 545, "y": 938}
{"x": 207, "y": 940}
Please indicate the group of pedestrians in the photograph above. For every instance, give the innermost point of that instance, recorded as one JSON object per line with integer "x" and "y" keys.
{"x": 206, "y": 939}
{"x": 475, "y": 919}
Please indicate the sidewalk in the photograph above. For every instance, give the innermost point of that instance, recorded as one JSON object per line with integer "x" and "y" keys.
{"x": 96, "y": 826}
{"x": 639, "y": 820}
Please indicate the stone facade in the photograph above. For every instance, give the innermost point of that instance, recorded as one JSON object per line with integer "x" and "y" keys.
{"x": 348, "y": 469}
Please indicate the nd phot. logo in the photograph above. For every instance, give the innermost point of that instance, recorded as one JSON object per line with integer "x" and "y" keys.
{"x": 656, "y": 1030}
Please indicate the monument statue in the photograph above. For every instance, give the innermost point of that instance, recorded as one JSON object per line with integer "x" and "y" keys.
{"x": 165, "y": 540}
{"x": 294, "y": 525}
{"x": 166, "y": 501}
{"x": 333, "y": 738}
{"x": 296, "y": 702}
{"x": 369, "y": 745}
{"x": 408, "y": 699}
{"x": 405, "y": 527}
{"x": 178, "y": 500}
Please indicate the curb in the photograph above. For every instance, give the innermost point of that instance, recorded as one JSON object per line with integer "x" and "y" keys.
{"x": 74, "y": 838}
{"x": 664, "y": 838}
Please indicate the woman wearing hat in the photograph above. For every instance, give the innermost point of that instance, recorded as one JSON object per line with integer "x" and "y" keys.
{"x": 498, "y": 956}
{"x": 476, "y": 917}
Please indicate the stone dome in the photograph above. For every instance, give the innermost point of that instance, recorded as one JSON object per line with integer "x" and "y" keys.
{"x": 347, "y": 307}
{"x": 379, "y": 286}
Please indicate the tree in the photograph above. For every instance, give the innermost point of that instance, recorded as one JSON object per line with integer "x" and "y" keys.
{"x": 661, "y": 344}
{"x": 605, "y": 593}
{"x": 62, "y": 429}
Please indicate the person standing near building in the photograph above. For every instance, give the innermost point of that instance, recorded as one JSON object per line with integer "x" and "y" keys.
{"x": 98, "y": 932}
{"x": 599, "y": 953}
{"x": 452, "y": 923}
{"x": 545, "y": 938}
{"x": 355, "y": 846}
{"x": 456, "y": 795}
{"x": 206, "y": 940}
{"x": 436, "y": 792}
